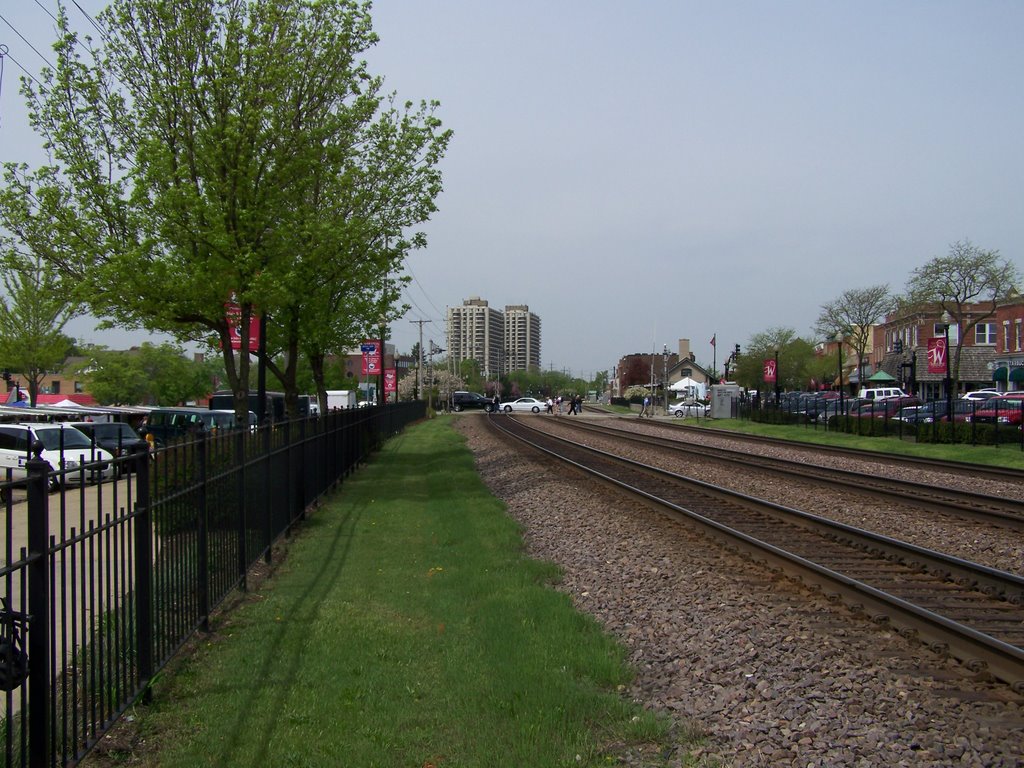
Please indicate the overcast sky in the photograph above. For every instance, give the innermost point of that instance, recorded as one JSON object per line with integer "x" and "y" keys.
{"x": 642, "y": 172}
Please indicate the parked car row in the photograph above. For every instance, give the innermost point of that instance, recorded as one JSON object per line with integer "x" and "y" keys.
{"x": 63, "y": 446}
{"x": 997, "y": 408}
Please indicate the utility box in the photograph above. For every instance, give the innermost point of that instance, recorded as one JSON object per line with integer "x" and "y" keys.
{"x": 724, "y": 400}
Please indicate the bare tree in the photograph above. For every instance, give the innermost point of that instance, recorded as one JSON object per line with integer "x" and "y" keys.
{"x": 852, "y": 315}
{"x": 968, "y": 283}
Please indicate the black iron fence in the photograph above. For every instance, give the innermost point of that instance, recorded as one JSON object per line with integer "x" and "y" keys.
{"x": 104, "y": 582}
{"x": 973, "y": 422}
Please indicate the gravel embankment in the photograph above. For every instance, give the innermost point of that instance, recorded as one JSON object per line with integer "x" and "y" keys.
{"x": 1000, "y": 548}
{"x": 773, "y": 674}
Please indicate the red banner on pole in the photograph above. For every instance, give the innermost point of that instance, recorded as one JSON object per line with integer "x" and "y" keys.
{"x": 233, "y": 314}
{"x": 937, "y": 354}
{"x": 372, "y": 362}
{"x": 769, "y": 371}
{"x": 390, "y": 380}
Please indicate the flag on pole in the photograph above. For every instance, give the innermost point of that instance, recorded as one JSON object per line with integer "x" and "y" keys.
{"x": 713, "y": 339}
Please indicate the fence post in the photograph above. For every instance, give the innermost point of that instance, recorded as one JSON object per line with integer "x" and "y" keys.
{"x": 39, "y": 737}
{"x": 301, "y": 466}
{"x": 240, "y": 494}
{"x": 203, "y": 544}
{"x": 268, "y": 522}
{"x": 143, "y": 562}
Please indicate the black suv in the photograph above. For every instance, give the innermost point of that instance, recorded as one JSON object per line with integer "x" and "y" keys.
{"x": 115, "y": 437}
{"x": 463, "y": 400}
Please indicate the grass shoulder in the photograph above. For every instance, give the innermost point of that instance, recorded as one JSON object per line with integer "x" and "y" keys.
{"x": 404, "y": 628}
{"x": 1002, "y": 456}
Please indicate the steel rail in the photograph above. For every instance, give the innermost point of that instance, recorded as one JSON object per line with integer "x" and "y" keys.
{"x": 989, "y": 508}
{"x": 918, "y": 570}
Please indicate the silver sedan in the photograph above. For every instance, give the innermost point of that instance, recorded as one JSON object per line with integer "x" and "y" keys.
{"x": 679, "y": 410}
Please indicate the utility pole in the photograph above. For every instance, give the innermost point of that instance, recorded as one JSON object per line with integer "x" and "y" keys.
{"x": 419, "y": 362}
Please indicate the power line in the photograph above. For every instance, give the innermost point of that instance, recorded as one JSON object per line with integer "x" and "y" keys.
{"x": 412, "y": 274}
{"x": 92, "y": 21}
{"x": 26, "y": 41}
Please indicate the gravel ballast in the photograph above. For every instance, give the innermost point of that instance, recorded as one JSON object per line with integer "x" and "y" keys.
{"x": 773, "y": 674}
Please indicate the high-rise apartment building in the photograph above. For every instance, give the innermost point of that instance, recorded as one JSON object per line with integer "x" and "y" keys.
{"x": 498, "y": 341}
{"x": 477, "y": 332}
{"x": 522, "y": 338}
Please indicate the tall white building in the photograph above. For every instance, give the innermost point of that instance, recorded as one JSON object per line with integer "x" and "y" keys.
{"x": 498, "y": 341}
{"x": 477, "y": 332}
{"x": 522, "y": 338}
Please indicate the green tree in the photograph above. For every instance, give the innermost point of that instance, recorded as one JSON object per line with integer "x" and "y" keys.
{"x": 798, "y": 362}
{"x": 113, "y": 378}
{"x": 150, "y": 375}
{"x": 968, "y": 283}
{"x": 33, "y": 314}
{"x": 216, "y": 150}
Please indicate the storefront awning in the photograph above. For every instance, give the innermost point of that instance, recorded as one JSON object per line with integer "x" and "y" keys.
{"x": 999, "y": 374}
{"x": 1017, "y": 374}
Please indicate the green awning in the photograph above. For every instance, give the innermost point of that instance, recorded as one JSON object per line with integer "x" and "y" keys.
{"x": 999, "y": 374}
{"x": 882, "y": 376}
{"x": 1017, "y": 374}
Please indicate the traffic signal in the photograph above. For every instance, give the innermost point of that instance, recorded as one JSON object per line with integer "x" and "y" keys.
{"x": 736, "y": 352}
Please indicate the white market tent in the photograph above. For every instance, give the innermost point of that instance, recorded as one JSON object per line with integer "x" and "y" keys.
{"x": 689, "y": 389}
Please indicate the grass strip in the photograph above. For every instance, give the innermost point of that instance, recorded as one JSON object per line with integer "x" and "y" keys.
{"x": 405, "y": 628}
{"x": 1009, "y": 455}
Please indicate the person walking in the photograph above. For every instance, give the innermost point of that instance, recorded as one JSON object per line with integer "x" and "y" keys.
{"x": 643, "y": 409}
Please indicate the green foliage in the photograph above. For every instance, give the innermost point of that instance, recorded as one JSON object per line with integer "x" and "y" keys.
{"x": 234, "y": 151}
{"x": 798, "y": 361}
{"x": 33, "y": 313}
{"x": 150, "y": 375}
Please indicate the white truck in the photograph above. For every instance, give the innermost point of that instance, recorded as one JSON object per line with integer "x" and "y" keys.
{"x": 341, "y": 398}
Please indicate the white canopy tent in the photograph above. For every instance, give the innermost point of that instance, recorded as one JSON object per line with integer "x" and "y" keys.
{"x": 689, "y": 389}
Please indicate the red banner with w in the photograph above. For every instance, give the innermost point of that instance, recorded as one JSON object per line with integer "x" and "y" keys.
{"x": 937, "y": 354}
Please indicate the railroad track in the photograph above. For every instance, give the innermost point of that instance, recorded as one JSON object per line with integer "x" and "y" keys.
{"x": 972, "y": 612}
{"x": 988, "y": 508}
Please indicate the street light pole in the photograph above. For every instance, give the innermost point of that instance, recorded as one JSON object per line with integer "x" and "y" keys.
{"x": 776, "y": 377}
{"x": 839, "y": 345}
{"x": 946, "y": 320}
{"x": 664, "y": 373}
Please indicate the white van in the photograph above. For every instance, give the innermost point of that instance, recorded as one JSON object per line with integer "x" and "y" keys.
{"x": 880, "y": 393}
{"x": 16, "y": 439}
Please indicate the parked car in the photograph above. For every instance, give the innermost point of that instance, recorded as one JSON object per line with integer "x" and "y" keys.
{"x": 885, "y": 409}
{"x": 465, "y": 400}
{"x": 166, "y": 425}
{"x": 681, "y": 409}
{"x": 881, "y": 393}
{"x": 115, "y": 437}
{"x": 821, "y": 405}
{"x": 935, "y": 410}
{"x": 530, "y": 404}
{"x": 981, "y": 394}
{"x": 64, "y": 447}
{"x": 1004, "y": 410}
